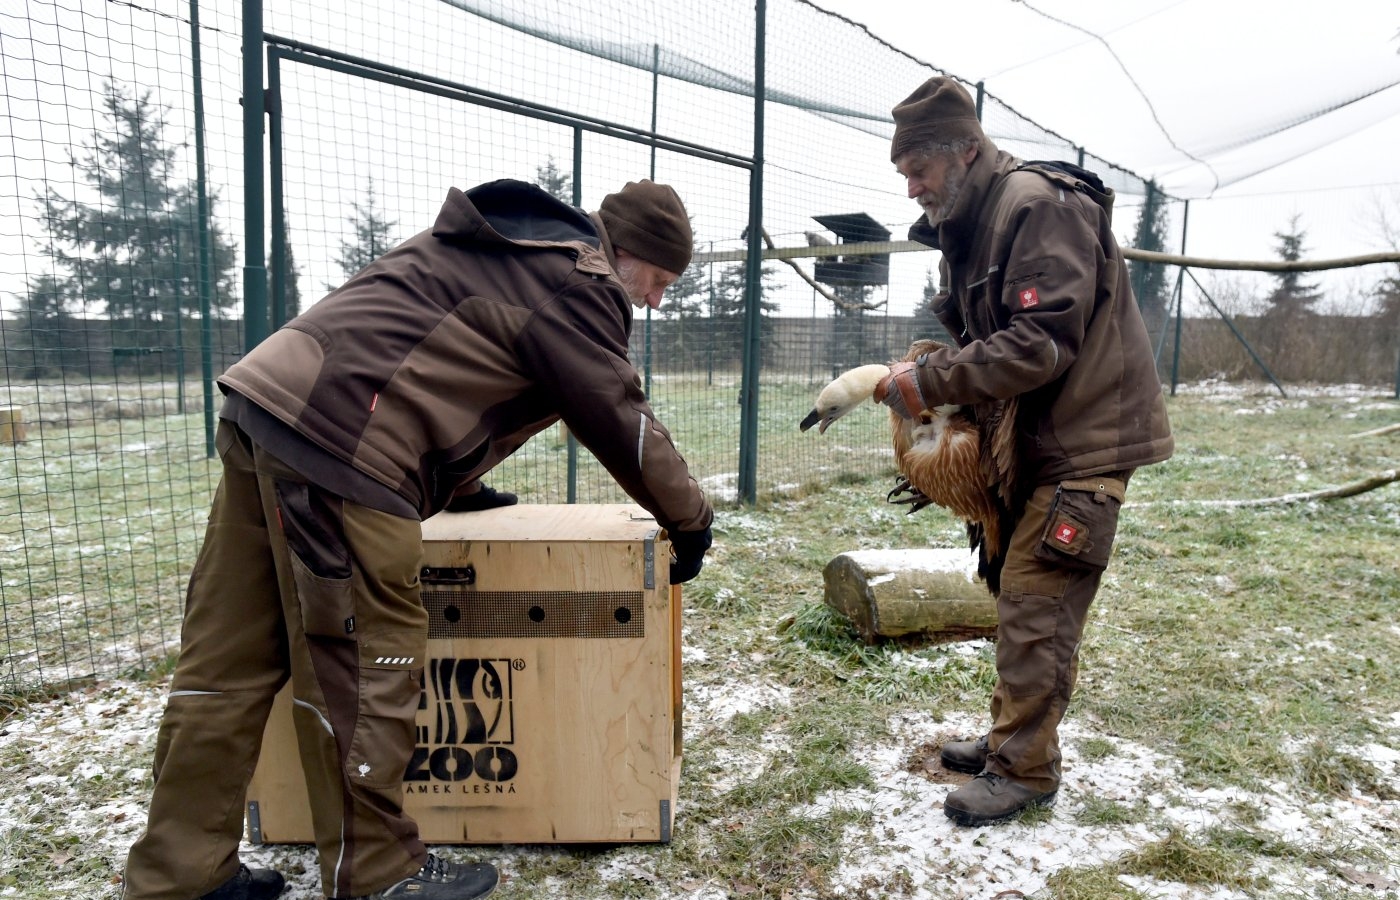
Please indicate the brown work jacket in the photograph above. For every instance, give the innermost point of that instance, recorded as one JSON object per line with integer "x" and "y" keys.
{"x": 444, "y": 355}
{"x": 1035, "y": 290}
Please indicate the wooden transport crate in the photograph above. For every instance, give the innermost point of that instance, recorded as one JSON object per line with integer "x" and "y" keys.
{"x": 551, "y": 706}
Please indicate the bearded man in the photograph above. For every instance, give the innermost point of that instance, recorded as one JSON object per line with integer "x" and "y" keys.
{"x": 1034, "y": 289}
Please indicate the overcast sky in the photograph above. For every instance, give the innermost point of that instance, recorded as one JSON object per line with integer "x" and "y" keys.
{"x": 1176, "y": 79}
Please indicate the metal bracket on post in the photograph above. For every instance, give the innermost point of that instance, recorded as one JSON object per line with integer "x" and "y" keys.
{"x": 255, "y": 835}
{"x": 649, "y": 561}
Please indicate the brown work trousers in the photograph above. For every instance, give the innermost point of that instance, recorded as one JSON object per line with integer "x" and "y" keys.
{"x": 1058, "y": 553}
{"x": 291, "y": 582}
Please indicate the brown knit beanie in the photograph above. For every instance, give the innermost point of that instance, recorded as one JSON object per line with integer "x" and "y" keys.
{"x": 649, "y": 220}
{"x": 939, "y": 112}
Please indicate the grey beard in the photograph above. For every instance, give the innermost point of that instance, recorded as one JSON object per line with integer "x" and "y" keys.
{"x": 953, "y": 187}
{"x": 627, "y": 274}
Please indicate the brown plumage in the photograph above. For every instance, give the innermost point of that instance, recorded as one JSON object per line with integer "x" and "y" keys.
{"x": 958, "y": 457}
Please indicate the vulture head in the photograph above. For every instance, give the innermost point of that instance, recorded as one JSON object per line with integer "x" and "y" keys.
{"x": 844, "y": 394}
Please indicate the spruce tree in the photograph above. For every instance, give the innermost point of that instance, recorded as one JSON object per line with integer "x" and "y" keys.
{"x": 372, "y": 236}
{"x": 131, "y": 252}
{"x": 1149, "y": 280}
{"x": 559, "y": 185}
{"x": 925, "y": 324}
{"x": 729, "y": 309}
{"x": 1293, "y": 295}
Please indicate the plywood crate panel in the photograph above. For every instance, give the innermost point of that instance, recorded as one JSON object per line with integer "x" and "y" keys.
{"x": 551, "y": 699}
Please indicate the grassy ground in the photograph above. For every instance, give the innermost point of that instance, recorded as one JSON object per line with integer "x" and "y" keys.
{"x": 1236, "y": 731}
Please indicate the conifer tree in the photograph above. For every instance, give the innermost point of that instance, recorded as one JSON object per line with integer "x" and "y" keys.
{"x": 1293, "y": 295}
{"x": 559, "y": 185}
{"x": 130, "y": 251}
{"x": 1149, "y": 280}
{"x": 373, "y": 236}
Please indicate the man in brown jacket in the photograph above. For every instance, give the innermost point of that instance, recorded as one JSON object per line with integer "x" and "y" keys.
{"x": 381, "y": 405}
{"x": 1035, "y": 290}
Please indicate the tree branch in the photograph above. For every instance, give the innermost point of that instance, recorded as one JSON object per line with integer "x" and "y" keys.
{"x": 1377, "y": 432}
{"x": 820, "y": 289}
{"x": 1380, "y": 479}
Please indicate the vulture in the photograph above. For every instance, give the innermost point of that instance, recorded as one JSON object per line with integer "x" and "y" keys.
{"x": 958, "y": 457}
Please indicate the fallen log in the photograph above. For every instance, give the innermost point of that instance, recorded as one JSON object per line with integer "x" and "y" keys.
{"x": 895, "y": 593}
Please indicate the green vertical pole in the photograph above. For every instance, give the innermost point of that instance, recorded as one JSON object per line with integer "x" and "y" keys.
{"x": 206, "y": 285}
{"x": 571, "y": 443}
{"x": 981, "y": 93}
{"x": 753, "y": 274}
{"x": 276, "y": 192}
{"x": 1180, "y": 303}
{"x": 254, "y": 265}
{"x": 178, "y": 229}
{"x": 655, "y": 78}
{"x": 1397, "y": 372}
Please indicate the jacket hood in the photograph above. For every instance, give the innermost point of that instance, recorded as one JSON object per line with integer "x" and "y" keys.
{"x": 514, "y": 212}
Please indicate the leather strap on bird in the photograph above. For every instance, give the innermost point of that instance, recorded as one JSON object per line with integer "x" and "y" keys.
{"x": 907, "y": 385}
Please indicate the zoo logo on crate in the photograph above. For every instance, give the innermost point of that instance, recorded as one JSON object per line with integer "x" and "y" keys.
{"x": 466, "y": 722}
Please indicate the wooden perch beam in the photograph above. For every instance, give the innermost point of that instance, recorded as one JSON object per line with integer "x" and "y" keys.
{"x": 868, "y": 248}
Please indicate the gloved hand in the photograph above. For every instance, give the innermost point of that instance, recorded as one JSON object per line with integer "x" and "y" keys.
{"x": 900, "y": 391}
{"x": 486, "y": 498}
{"x": 688, "y": 553}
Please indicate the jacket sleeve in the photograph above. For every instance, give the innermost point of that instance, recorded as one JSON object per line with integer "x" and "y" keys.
{"x": 1035, "y": 324}
{"x": 575, "y": 348}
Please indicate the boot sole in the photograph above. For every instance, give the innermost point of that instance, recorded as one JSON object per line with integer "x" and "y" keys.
{"x": 964, "y": 817}
{"x": 953, "y": 765}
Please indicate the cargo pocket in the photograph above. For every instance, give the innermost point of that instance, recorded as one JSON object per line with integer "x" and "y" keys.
{"x": 320, "y": 560}
{"x": 391, "y": 667}
{"x": 1083, "y": 520}
{"x": 1026, "y": 642}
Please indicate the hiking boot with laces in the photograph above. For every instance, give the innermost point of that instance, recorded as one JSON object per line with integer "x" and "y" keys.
{"x": 249, "y": 884}
{"x": 968, "y": 757}
{"x": 443, "y": 880}
{"x": 990, "y": 798}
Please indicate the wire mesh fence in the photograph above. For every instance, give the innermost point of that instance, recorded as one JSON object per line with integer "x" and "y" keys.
{"x": 125, "y": 240}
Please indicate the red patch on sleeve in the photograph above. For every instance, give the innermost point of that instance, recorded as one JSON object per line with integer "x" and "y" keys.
{"x": 1028, "y": 297}
{"x": 1065, "y": 533}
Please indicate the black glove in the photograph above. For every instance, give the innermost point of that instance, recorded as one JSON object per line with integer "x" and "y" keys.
{"x": 688, "y": 553}
{"x": 486, "y": 498}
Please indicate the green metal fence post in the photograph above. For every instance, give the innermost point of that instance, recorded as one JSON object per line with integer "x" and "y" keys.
{"x": 206, "y": 287}
{"x": 570, "y": 442}
{"x": 276, "y": 192}
{"x": 1180, "y": 303}
{"x": 655, "y": 85}
{"x": 255, "y": 261}
{"x": 753, "y": 271}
